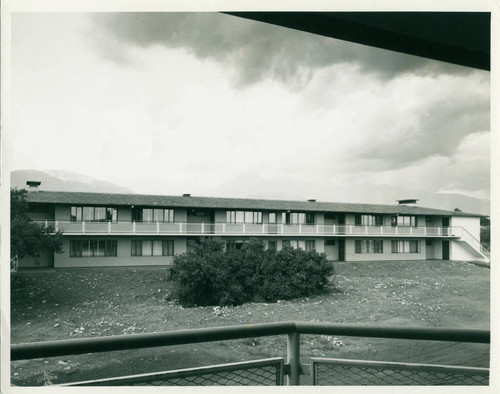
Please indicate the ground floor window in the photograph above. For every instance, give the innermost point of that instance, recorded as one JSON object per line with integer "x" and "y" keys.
{"x": 147, "y": 247}
{"x": 232, "y": 245}
{"x": 311, "y": 245}
{"x": 293, "y": 243}
{"x": 271, "y": 245}
{"x": 405, "y": 246}
{"x": 365, "y": 246}
{"x": 93, "y": 248}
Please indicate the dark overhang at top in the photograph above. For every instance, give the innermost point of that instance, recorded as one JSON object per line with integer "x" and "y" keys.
{"x": 184, "y": 201}
{"x": 461, "y": 38}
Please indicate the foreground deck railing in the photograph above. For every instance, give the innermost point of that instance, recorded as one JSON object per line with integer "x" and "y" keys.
{"x": 293, "y": 368}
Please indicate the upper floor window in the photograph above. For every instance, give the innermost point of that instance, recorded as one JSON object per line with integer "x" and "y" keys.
{"x": 298, "y": 218}
{"x": 404, "y": 221}
{"x": 152, "y": 215}
{"x": 93, "y": 214}
{"x": 251, "y": 217}
{"x": 368, "y": 220}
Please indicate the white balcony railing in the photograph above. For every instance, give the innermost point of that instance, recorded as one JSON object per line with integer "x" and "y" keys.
{"x": 247, "y": 229}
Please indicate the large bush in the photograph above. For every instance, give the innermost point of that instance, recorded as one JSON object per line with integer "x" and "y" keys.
{"x": 211, "y": 275}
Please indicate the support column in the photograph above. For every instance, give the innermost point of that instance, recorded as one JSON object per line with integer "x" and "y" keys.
{"x": 293, "y": 355}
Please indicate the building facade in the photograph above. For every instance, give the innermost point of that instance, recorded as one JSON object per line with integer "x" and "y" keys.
{"x": 138, "y": 230}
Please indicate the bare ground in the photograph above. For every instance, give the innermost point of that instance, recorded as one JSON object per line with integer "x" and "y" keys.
{"x": 65, "y": 304}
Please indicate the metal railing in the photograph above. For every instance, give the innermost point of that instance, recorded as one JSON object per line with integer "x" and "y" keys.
{"x": 293, "y": 367}
{"x": 248, "y": 229}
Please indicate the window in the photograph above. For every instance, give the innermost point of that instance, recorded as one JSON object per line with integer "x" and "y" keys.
{"x": 93, "y": 214}
{"x": 93, "y": 248}
{"x": 298, "y": 218}
{"x": 368, "y": 220}
{"x": 404, "y": 221}
{"x": 157, "y": 215}
{"x": 272, "y": 218}
{"x": 168, "y": 247}
{"x": 250, "y": 217}
{"x": 310, "y": 246}
{"x": 330, "y": 216}
{"x": 232, "y": 245}
{"x": 293, "y": 243}
{"x": 329, "y": 242}
{"x": 148, "y": 247}
{"x": 365, "y": 246}
{"x": 405, "y": 246}
{"x": 196, "y": 212}
{"x": 271, "y": 245}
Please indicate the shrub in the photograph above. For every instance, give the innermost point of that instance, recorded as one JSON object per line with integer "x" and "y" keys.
{"x": 211, "y": 275}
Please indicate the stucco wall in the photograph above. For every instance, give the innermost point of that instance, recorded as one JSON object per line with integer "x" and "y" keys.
{"x": 123, "y": 258}
{"x": 473, "y": 226}
{"x": 45, "y": 260}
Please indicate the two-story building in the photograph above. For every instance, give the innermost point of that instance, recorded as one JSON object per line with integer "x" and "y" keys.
{"x": 103, "y": 229}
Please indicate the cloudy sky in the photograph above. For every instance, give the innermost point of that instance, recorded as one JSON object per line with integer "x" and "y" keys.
{"x": 182, "y": 102}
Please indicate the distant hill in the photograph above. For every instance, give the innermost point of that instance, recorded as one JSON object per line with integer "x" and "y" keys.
{"x": 66, "y": 181}
{"x": 254, "y": 186}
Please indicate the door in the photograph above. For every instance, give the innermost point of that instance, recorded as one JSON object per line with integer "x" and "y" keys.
{"x": 341, "y": 249}
{"x": 445, "y": 224}
{"x": 446, "y": 250}
{"x": 341, "y": 229}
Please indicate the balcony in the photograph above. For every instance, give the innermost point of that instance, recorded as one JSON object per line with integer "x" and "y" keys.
{"x": 247, "y": 229}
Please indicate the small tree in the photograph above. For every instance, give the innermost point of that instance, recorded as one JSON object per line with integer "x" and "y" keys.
{"x": 27, "y": 238}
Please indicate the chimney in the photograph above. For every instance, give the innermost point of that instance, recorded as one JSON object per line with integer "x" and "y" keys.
{"x": 312, "y": 200}
{"x": 33, "y": 186}
{"x": 410, "y": 202}
{"x": 186, "y": 195}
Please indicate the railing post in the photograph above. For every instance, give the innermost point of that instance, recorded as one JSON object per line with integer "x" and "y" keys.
{"x": 133, "y": 227}
{"x": 366, "y": 230}
{"x": 300, "y": 228}
{"x": 334, "y": 230}
{"x": 203, "y": 227}
{"x": 263, "y": 229}
{"x": 109, "y": 227}
{"x": 83, "y": 226}
{"x": 157, "y": 227}
{"x": 223, "y": 228}
{"x": 293, "y": 355}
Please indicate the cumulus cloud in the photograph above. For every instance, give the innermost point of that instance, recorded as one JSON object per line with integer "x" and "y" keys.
{"x": 253, "y": 50}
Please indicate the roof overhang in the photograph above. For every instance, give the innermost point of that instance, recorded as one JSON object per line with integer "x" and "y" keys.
{"x": 461, "y": 38}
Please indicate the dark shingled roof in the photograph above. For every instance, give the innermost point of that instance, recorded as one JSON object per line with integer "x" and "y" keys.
{"x": 78, "y": 198}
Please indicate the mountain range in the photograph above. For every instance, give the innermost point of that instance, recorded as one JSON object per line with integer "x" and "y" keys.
{"x": 254, "y": 186}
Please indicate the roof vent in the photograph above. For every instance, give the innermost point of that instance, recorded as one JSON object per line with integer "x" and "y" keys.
{"x": 312, "y": 200}
{"x": 33, "y": 186}
{"x": 186, "y": 195}
{"x": 409, "y": 201}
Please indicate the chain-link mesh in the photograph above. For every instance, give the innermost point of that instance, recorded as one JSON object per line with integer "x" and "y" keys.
{"x": 267, "y": 372}
{"x": 331, "y": 372}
